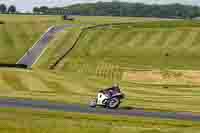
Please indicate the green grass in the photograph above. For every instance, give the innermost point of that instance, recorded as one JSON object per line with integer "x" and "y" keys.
{"x": 29, "y": 19}
{"x": 167, "y": 45}
{"x": 165, "y": 95}
{"x": 36, "y": 121}
{"x": 16, "y": 39}
{"x": 109, "y": 54}
{"x": 58, "y": 47}
{"x": 132, "y": 54}
{"x": 95, "y": 20}
{"x": 78, "y": 19}
{"x": 64, "y": 41}
{"x": 19, "y": 33}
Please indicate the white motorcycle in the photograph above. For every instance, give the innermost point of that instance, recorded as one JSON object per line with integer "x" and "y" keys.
{"x": 108, "y": 98}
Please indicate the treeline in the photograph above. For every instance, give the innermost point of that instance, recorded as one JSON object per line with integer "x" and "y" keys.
{"x": 52, "y": 11}
{"x": 7, "y": 9}
{"x": 124, "y": 9}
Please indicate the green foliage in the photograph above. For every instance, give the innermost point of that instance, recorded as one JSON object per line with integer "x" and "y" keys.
{"x": 12, "y": 9}
{"x": 116, "y": 8}
{"x": 3, "y": 8}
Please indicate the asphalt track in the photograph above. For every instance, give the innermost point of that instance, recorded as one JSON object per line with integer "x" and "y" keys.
{"x": 30, "y": 104}
{"x": 33, "y": 54}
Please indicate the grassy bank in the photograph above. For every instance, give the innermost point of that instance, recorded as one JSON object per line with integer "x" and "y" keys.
{"x": 154, "y": 62}
{"x": 19, "y": 33}
{"x": 126, "y": 46}
{"x": 58, "y": 47}
{"x": 80, "y": 89}
{"x": 34, "y": 121}
{"x": 109, "y": 19}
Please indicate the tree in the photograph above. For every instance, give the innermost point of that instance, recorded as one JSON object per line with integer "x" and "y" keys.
{"x": 36, "y": 10}
{"x": 117, "y": 8}
{"x": 44, "y": 9}
{"x": 3, "y": 8}
{"x": 12, "y": 9}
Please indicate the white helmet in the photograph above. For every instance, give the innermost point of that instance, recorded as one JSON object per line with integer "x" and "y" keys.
{"x": 115, "y": 85}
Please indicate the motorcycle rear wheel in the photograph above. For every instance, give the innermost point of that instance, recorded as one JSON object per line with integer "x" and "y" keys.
{"x": 113, "y": 103}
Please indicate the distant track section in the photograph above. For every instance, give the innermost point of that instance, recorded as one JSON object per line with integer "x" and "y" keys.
{"x": 14, "y": 103}
{"x": 34, "y": 53}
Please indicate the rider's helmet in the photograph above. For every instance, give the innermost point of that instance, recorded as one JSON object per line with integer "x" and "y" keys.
{"x": 116, "y": 88}
{"x": 115, "y": 85}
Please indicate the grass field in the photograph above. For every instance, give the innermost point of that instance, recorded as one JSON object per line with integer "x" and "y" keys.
{"x": 64, "y": 41}
{"x": 58, "y": 47}
{"x": 35, "y": 121}
{"x": 19, "y": 33}
{"x": 156, "y": 64}
{"x": 78, "y": 19}
{"x": 139, "y": 56}
{"x": 95, "y": 20}
{"x": 16, "y": 39}
{"x": 160, "y": 47}
{"x": 80, "y": 89}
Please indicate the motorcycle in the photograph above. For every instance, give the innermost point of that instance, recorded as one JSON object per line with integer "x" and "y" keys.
{"x": 109, "y": 98}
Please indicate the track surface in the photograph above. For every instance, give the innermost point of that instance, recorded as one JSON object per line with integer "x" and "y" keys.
{"x": 13, "y": 103}
{"x": 32, "y": 55}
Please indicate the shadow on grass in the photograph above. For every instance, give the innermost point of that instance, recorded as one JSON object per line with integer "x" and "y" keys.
{"x": 2, "y": 22}
{"x": 13, "y": 66}
{"x": 127, "y": 108}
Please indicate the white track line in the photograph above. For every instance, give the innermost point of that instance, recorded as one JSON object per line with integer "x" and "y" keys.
{"x": 40, "y": 55}
{"x": 35, "y": 44}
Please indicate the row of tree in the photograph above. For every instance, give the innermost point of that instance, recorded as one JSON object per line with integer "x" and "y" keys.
{"x": 116, "y": 8}
{"x": 47, "y": 10}
{"x": 5, "y": 9}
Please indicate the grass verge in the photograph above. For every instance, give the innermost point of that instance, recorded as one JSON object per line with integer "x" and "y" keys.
{"x": 36, "y": 121}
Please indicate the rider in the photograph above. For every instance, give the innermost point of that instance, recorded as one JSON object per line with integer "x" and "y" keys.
{"x": 113, "y": 90}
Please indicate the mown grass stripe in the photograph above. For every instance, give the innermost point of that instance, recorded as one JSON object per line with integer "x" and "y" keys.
{"x": 152, "y": 42}
{"x": 110, "y": 43}
{"x": 6, "y": 37}
{"x": 160, "y": 92}
{"x": 130, "y": 39}
{"x": 166, "y": 34}
{"x": 147, "y": 104}
{"x": 195, "y": 44}
{"x": 148, "y": 35}
{"x": 188, "y": 42}
{"x": 13, "y": 81}
{"x": 172, "y": 40}
{"x": 180, "y": 40}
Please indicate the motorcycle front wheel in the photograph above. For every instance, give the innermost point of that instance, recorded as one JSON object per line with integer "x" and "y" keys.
{"x": 113, "y": 103}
